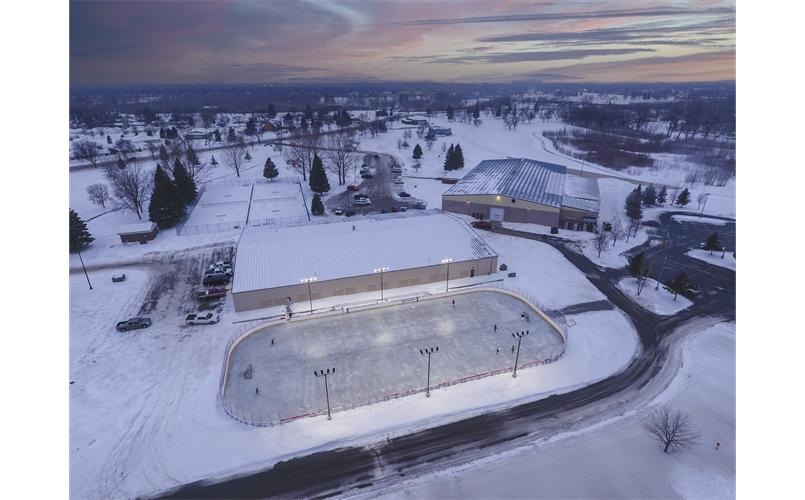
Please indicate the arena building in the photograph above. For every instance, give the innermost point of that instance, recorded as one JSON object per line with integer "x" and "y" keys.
{"x": 344, "y": 256}
{"x": 523, "y": 190}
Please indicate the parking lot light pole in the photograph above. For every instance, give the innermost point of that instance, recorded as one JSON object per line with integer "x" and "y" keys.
{"x": 519, "y": 336}
{"x": 661, "y": 270}
{"x": 381, "y": 280}
{"x": 326, "y": 390}
{"x": 428, "y": 351}
{"x": 310, "y": 296}
{"x": 447, "y": 283}
{"x": 84, "y": 268}
{"x": 706, "y": 195}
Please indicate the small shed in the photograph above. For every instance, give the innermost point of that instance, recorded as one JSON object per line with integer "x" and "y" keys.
{"x": 142, "y": 232}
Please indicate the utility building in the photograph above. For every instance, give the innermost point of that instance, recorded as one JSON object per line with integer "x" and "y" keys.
{"x": 523, "y": 190}
{"x": 344, "y": 256}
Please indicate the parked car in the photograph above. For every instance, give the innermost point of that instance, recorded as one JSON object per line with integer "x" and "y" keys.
{"x": 209, "y": 318}
{"x": 349, "y": 213}
{"x": 554, "y": 230}
{"x": 420, "y": 205}
{"x": 339, "y": 211}
{"x": 395, "y": 209}
{"x": 396, "y": 169}
{"x": 367, "y": 176}
{"x": 360, "y": 195}
{"x": 482, "y": 224}
{"x": 363, "y": 201}
{"x": 694, "y": 290}
{"x": 403, "y": 194}
{"x": 132, "y": 323}
{"x": 220, "y": 270}
{"x": 216, "y": 279}
{"x": 651, "y": 223}
{"x": 212, "y": 293}
{"x": 221, "y": 263}
{"x": 352, "y": 188}
{"x": 399, "y": 181}
{"x": 403, "y": 209}
{"x": 512, "y": 275}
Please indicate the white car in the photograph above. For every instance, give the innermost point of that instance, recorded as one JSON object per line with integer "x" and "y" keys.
{"x": 339, "y": 211}
{"x": 399, "y": 181}
{"x": 363, "y": 201}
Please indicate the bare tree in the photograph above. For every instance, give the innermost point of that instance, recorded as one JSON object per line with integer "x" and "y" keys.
{"x": 98, "y": 194}
{"x": 301, "y": 148}
{"x": 618, "y": 230}
{"x": 234, "y": 154}
{"x": 87, "y": 150}
{"x": 671, "y": 428}
{"x": 341, "y": 152}
{"x": 601, "y": 239}
{"x": 124, "y": 148}
{"x": 130, "y": 185}
{"x": 153, "y": 148}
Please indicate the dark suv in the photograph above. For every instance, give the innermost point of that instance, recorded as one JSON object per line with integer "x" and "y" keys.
{"x": 215, "y": 279}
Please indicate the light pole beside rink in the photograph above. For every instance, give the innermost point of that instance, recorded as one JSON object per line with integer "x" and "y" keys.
{"x": 519, "y": 336}
{"x": 447, "y": 283}
{"x": 381, "y": 280}
{"x": 428, "y": 351}
{"x": 326, "y": 390}
{"x": 309, "y": 295}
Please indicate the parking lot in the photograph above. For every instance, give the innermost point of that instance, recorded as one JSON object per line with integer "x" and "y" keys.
{"x": 376, "y": 352}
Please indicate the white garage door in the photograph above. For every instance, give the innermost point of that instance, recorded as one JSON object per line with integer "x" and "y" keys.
{"x": 496, "y": 214}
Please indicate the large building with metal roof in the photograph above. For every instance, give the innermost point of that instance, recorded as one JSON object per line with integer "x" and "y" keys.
{"x": 343, "y": 256}
{"x": 524, "y": 190}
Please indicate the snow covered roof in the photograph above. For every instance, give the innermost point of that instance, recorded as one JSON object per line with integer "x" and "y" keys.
{"x": 585, "y": 188}
{"x": 521, "y": 178}
{"x": 140, "y": 227}
{"x": 282, "y": 255}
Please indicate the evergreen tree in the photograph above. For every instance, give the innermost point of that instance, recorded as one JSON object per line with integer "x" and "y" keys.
{"x": 251, "y": 127}
{"x": 448, "y": 158}
{"x": 108, "y": 139}
{"x": 450, "y": 112}
{"x": 639, "y": 268}
{"x": 218, "y": 137}
{"x": 650, "y": 196}
{"x": 184, "y": 183}
{"x": 121, "y": 164}
{"x": 458, "y": 158}
{"x": 679, "y": 284}
{"x": 163, "y": 154}
{"x": 476, "y": 111}
{"x": 684, "y": 198}
{"x": 417, "y": 152}
{"x": 303, "y": 123}
{"x": 316, "y": 206}
{"x": 79, "y": 235}
{"x": 632, "y": 206}
{"x": 272, "y": 111}
{"x": 712, "y": 243}
{"x": 499, "y": 111}
{"x": 213, "y": 161}
{"x": 192, "y": 157}
{"x": 270, "y": 171}
{"x": 162, "y": 133}
{"x": 166, "y": 207}
{"x": 663, "y": 196}
{"x": 231, "y": 137}
{"x": 318, "y": 177}
{"x": 308, "y": 113}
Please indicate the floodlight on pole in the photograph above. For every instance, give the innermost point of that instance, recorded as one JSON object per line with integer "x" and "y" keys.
{"x": 519, "y": 336}
{"x": 310, "y": 296}
{"x": 326, "y": 389}
{"x": 381, "y": 280}
{"x": 706, "y": 195}
{"x": 428, "y": 351}
{"x": 447, "y": 283}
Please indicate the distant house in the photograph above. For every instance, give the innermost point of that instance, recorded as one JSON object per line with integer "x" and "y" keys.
{"x": 269, "y": 127}
{"x": 196, "y": 134}
{"x": 440, "y": 131}
{"x": 142, "y": 232}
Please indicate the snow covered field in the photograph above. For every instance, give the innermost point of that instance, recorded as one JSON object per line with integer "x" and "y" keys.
{"x": 143, "y": 410}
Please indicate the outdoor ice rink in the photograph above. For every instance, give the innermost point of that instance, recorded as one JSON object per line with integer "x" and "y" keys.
{"x": 376, "y": 352}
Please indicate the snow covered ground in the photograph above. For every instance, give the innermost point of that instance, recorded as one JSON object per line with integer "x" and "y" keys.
{"x": 143, "y": 409}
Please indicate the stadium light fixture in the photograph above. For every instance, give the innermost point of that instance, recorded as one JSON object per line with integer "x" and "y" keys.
{"x": 519, "y": 336}
{"x": 428, "y": 351}
{"x": 326, "y": 389}
{"x": 309, "y": 295}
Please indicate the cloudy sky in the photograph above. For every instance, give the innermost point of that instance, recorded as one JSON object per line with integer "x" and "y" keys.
{"x": 254, "y": 41}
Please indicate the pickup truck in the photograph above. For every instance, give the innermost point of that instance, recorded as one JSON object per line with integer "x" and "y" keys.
{"x": 132, "y": 323}
{"x": 220, "y": 270}
{"x": 221, "y": 263}
{"x": 208, "y": 318}
{"x": 212, "y": 293}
